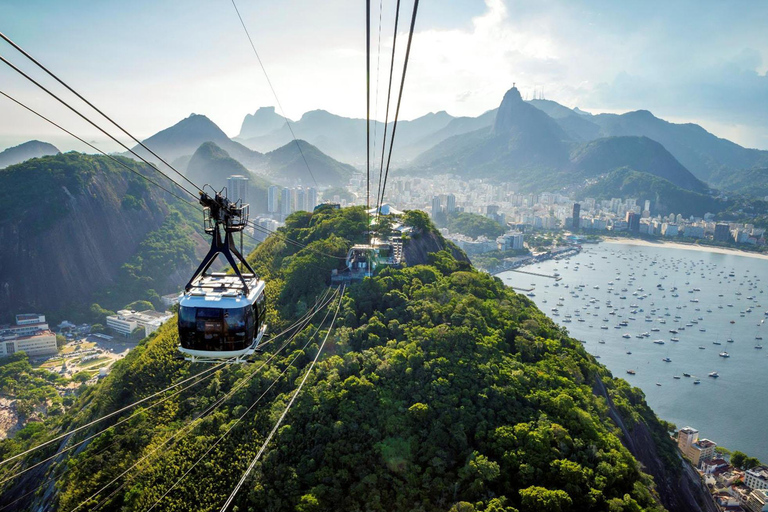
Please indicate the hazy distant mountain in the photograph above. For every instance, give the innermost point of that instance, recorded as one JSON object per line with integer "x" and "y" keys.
{"x": 665, "y": 196}
{"x": 25, "y": 151}
{"x": 577, "y": 125}
{"x": 522, "y": 140}
{"x": 264, "y": 121}
{"x": 528, "y": 147}
{"x": 698, "y": 150}
{"x": 407, "y": 149}
{"x": 212, "y": 165}
{"x": 344, "y": 138}
{"x": 187, "y": 135}
{"x": 640, "y": 154}
{"x": 286, "y": 164}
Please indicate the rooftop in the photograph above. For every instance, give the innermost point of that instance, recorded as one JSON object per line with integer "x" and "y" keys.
{"x": 760, "y": 472}
{"x": 689, "y": 430}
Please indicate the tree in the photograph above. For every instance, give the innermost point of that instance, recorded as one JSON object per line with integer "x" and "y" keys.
{"x": 60, "y": 341}
{"x": 738, "y": 458}
{"x": 417, "y": 220}
{"x": 98, "y": 328}
{"x": 473, "y": 225}
{"x": 99, "y": 314}
{"x": 540, "y": 499}
{"x": 140, "y": 305}
{"x": 81, "y": 377}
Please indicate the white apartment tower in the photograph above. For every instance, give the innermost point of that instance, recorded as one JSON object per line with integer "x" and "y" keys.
{"x": 286, "y": 208}
{"x": 273, "y": 195}
{"x": 237, "y": 188}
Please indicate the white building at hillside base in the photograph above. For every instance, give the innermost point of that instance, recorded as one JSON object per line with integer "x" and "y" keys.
{"x": 30, "y": 335}
{"x": 126, "y": 321}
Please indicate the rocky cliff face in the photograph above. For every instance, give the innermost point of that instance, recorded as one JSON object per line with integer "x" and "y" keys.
{"x": 679, "y": 487}
{"x": 418, "y": 247}
{"x": 88, "y": 222}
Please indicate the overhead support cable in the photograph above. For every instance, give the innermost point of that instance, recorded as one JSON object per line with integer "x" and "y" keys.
{"x": 386, "y": 115}
{"x": 89, "y": 121}
{"x": 96, "y": 149}
{"x": 399, "y": 97}
{"x": 28, "y": 56}
{"x": 188, "y": 427}
{"x": 368, "y": 107}
{"x": 285, "y": 412}
{"x": 274, "y": 93}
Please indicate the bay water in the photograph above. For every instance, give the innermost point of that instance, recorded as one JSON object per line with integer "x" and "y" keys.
{"x": 611, "y": 294}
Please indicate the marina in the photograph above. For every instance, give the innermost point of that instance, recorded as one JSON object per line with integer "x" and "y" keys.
{"x": 612, "y": 296}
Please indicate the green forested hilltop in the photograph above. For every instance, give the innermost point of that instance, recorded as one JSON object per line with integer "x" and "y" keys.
{"x": 439, "y": 389}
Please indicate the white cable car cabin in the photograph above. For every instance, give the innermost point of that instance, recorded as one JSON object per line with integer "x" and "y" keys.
{"x": 222, "y": 317}
{"x": 219, "y": 320}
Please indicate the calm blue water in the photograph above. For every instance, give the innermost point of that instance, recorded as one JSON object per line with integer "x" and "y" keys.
{"x": 731, "y": 410}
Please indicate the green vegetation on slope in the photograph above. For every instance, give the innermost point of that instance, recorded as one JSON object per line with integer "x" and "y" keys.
{"x": 665, "y": 197}
{"x": 440, "y": 389}
{"x": 749, "y": 182}
{"x": 30, "y": 387}
{"x": 474, "y": 225}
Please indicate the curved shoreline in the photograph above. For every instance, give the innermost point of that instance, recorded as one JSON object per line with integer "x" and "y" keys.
{"x": 688, "y": 247}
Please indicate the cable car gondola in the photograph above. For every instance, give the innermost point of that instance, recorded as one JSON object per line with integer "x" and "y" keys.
{"x": 222, "y": 316}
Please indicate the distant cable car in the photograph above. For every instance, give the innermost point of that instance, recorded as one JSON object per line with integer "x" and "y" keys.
{"x": 222, "y": 316}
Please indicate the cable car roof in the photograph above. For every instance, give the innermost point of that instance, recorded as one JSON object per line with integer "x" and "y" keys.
{"x": 222, "y": 290}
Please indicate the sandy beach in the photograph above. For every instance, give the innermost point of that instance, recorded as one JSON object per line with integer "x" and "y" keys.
{"x": 687, "y": 247}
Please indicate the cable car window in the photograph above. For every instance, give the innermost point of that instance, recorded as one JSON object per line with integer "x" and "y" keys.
{"x": 235, "y": 321}
{"x": 215, "y": 329}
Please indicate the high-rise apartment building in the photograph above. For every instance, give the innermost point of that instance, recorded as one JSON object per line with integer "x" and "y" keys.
{"x": 311, "y": 199}
{"x": 273, "y": 195}
{"x": 450, "y": 203}
{"x": 576, "y": 223}
{"x": 437, "y": 208}
{"x": 237, "y": 188}
{"x": 286, "y": 202}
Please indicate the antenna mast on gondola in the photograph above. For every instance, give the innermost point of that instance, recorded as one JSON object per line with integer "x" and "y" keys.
{"x": 221, "y": 218}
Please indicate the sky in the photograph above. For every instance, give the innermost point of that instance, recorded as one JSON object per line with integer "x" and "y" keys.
{"x": 151, "y": 63}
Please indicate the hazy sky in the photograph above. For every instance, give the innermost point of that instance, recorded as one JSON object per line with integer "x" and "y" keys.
{"x": 150, "y": 63}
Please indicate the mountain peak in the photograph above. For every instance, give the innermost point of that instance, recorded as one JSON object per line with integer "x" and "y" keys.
{"x": 261, "y": 122}
{"x": 25, "y": 151}
{"x": 512, "y": 95}
{"x": 515, "y": 115}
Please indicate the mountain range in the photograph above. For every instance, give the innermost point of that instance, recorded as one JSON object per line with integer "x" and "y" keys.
{"x": 538, "y": 145}
{"x": 516, "y": 143}
{"x": 538, "y": 151}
